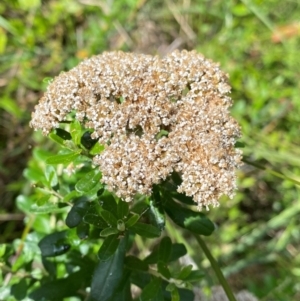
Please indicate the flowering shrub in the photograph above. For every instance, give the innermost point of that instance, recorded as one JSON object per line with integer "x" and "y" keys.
{"x": 154, "y": 117}
{"x": 140, "y": 138}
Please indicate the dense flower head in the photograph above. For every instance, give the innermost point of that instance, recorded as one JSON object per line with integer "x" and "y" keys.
{"x": 155, "y": 116}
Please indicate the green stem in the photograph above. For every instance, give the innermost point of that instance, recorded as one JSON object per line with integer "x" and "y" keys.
{"x": 216, "y": 268}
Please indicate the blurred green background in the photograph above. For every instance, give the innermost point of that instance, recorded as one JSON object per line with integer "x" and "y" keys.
{"x": 256, "y": 42}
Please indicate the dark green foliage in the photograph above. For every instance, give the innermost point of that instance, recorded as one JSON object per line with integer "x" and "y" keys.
{"x": 257, "y": 232}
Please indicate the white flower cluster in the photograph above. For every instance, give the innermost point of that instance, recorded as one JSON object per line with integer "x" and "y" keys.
{"x": 130, "y": 100}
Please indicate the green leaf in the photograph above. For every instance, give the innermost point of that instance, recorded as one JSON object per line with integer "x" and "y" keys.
{"x": 178, "y": 250}
{"x": 51, "y": 176}
{"x": 109, "y": 218}
{"x": 95, "y": 220}
{"x": 54, "y": 244}
{"x": 145, "y": 230}
{"x": 87, "y": 141}
{"x": 76, "y": 213}
{"x": 75, "y": 131}
{"x": 19, "y": 290}
{"x": 152, "y": 291}
{"x": 63, "y": 159}
{"x": 108, "y": 274}
{"x": 196, "y": 222}
{"x": 109, "y": 247}
{"x": 195, "y": 276}
{"x": 47, "y": 208}
{"x": 61, "y": 288}
{"x": 132, "y": 220}
{"x": 175, "y": 295}
{"x": 108, "y": 202}
{"x": 56, "y": 139}
{"x": 71, "y": 195}
{"x": 88, "y": 181}
{"x": 109, "y": 231}
{"x": 157, "y": 214}
{"x": 97, "y": 149}
{"x": 2, "y": 250}
{"x": 134, "y": 263}
{"x": 171, "y": 287}
{"x": 82, "y": 230}
{"x": 63, "y": 134}
{"x": 185, "y": 272}
{"x": 239, "y": 144}
{"x": 123, "y": 209}
{"x": 163, "y": 269}
{"x": 165, "y": 249}
{"x": 182, "y": 198}
{"x": 123, "y": 291}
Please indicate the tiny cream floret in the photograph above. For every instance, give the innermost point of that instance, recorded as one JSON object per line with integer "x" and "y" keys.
{"x": 129, "y": 99}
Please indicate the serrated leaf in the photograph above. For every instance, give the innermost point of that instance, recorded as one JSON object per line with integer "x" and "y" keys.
{"x": 95, "y": 220}
{"x": 195, "y": 222}
{"x": 152, "y": 291}
{"x": 109, "y": 218}
{"x": 54, "y": 244}
{"x": 63, "y": 159}
{"x": 165, "y": 249}
{"x": 88, "y": 181}
{"x": 108, "y": 231}
{"x": 134, "y": 263}
{"x": 108, "y": 274}
{"x": 132, "y": 220}
{"x": 145, "y": 230}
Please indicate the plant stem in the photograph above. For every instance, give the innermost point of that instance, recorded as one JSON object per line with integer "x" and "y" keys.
{"x": 216, "y": 268}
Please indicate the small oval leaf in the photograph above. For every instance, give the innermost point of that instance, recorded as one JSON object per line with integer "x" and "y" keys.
{"x": 196, "y": 222}
{"x": 145, "y": 230}
{"x": 88, "y": 181}
{"x": 109, "y": 218}
{"x": 63, "y": 159}
{"x": 108, "y": 231}
{"x": 109, "y": 247}
{"x": 95, "y": 220}
{"x": 132, "y": 220}
{"x": 54, "y": 244}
